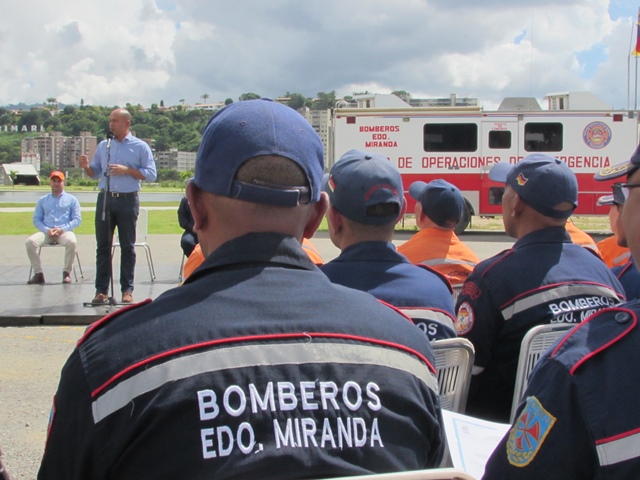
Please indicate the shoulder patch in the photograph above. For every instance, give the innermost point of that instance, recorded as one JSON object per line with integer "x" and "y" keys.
{"x": 465, "y": 318}
{"x": 470, "y": 290}
{"x": 528, "y": 433}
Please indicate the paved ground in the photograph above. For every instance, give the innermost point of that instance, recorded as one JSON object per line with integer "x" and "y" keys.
{"x": 56, "y": 303}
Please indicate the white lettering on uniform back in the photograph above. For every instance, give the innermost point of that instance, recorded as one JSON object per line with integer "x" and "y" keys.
{"x": 287, "y": 399}
{"x": 207, "y": 404}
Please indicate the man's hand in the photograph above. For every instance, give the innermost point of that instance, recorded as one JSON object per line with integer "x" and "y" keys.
{"x": 54, "y": 232}
{"x": 83, "y": 161}
{"x": 116, "y": 169}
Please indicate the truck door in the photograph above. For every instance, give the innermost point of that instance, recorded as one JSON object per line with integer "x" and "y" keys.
{"x": 499, "y": 142}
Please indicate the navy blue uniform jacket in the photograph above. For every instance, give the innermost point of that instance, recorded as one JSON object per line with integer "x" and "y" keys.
{"x": 257, "y": 367}
{"x": 580, "y": 418}
{"x": 544, "y": 278}
{"x": 421, "y": 293}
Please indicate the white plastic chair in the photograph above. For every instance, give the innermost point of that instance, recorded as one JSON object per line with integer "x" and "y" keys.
{"x": 47, "y": 245}
{"x": 142, "y": 227}
{"x": 454, "y": 361}
{"x": 433, "y": 474}
{"x": 457, "y": 288}
{"x": 536, "y": 341}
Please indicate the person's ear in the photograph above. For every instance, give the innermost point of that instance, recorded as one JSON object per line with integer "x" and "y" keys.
{"x": 318, "y": 210}
{"x": 403, "y": 210}
{"x": 196, "y": 199}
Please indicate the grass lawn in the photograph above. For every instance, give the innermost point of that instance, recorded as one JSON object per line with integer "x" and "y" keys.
{"x": 166, "y": 221}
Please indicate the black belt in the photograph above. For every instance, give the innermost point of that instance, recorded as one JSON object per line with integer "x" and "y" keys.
{"x": 121, "y": 194}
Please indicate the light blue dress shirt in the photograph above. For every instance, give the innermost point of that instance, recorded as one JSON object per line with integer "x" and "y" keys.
{"x": 131, "y": 152}
{"x": 62, "y": 211}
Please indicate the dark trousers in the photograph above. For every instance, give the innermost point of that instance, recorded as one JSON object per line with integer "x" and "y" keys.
{"x": 121, "y": 213}
{"x": 188, "y": 242}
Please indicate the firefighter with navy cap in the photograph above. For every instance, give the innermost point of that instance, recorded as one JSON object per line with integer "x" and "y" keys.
{"x": 366, "y": 199}
{"x": 544, "y": 278}
{"x": 257, "y": 366}
{"x": 582, "y": 397}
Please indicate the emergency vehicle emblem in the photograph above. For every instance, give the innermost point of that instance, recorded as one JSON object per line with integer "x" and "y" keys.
{"x": 528, "y": 433}
{"x": 464, "y": 321}
{"x": 597, "y": 135}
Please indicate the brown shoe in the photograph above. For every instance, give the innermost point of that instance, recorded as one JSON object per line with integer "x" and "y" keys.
{"x": 66, "y": 278}
{"x": 37, "y": 279}
{"x": 127, "y": 297}
{"x": 100, "y": 299}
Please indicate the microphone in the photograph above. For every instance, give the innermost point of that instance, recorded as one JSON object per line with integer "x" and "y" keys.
{"x": 109, "y": 138}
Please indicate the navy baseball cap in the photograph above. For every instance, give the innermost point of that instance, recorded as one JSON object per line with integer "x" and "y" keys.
{"x": 441, "y": 201}
{"x": 359, "y": 182}
{"x": 621, "y": 169}
{"x": 251, "y": 128}
{"x": 542, "y": 181}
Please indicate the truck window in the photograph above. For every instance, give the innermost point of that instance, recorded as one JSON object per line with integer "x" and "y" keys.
{"x": 495, "y": 195}
{"x": 543, "y": 137}
{"x": 499, "y": 139}
{"x": 450, "y": 137}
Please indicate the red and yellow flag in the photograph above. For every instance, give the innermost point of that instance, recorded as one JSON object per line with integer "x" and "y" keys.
{"x": 636, "y": 51}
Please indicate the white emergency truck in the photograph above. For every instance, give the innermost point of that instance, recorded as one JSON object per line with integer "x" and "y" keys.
{"x": 460, "y": 144}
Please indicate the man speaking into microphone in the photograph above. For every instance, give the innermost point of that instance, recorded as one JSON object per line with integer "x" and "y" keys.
{"x": 120, "y": 163}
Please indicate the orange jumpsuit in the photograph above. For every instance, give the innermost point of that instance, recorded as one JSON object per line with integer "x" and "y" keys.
{"x": 443, "y": 251}
{"x": 196, "y": 258}
{"x": 581, "y": 238}
{"x": 613, "y": 254}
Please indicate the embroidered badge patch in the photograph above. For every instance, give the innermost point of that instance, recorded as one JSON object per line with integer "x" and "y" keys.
{"x": 521, "y": 179}
{"x": 528, "y": 433}
{"x": 471, "y": 290}
{"x": 464, "y": 321}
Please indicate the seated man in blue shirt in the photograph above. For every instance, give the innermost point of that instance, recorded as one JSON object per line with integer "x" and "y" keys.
{"x": 55, "y": 217}
{"x": 367, "y": 200}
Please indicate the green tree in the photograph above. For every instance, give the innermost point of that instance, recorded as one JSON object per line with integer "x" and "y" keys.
{"x": 228, "y": 101}
{"x": 248, "y": 96}
{"x": 13, "y": 174}
{"x": 296, "y": 100}
{"x": 204, "y": 97}
{"x": 325, "y": 100}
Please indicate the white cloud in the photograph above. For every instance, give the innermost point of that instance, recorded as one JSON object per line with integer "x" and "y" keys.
{"x": 137, "y": 52}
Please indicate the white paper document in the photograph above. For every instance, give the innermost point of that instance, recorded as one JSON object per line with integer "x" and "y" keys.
{"x": 471, "y": 441}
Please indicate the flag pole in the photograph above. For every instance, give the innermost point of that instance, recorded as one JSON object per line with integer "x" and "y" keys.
{"x": 636, "y": 53}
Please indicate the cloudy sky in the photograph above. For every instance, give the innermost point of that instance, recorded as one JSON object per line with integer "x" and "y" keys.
{"x": 145, "y": 51}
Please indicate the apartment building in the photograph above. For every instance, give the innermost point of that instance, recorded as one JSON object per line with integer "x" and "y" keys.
{"x": 173, "y": 158}
{"x": 62, "y": 152}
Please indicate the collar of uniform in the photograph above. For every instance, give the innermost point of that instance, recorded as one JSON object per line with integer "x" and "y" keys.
{"x": 544, "y": 235}
{"x": 253, "y": 249}
{"x": 370, "y": 252}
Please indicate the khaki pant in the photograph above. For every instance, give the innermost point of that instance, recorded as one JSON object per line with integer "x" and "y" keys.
{"x": 67, "y": 239}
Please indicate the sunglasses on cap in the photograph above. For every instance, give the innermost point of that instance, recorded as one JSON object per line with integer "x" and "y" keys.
{"x": 621, "y": 191}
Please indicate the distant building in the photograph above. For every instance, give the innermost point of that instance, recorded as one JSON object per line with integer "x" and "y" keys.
{"x": 26, "y": 174}
{"x": 319, "y": 120}
{"x": 451, "y": 101}
{"x": 182, "y": 161}
{"x": 209, "y": 107}
{"x": 61, "y": 152}
{"x": 575, "y": 101}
